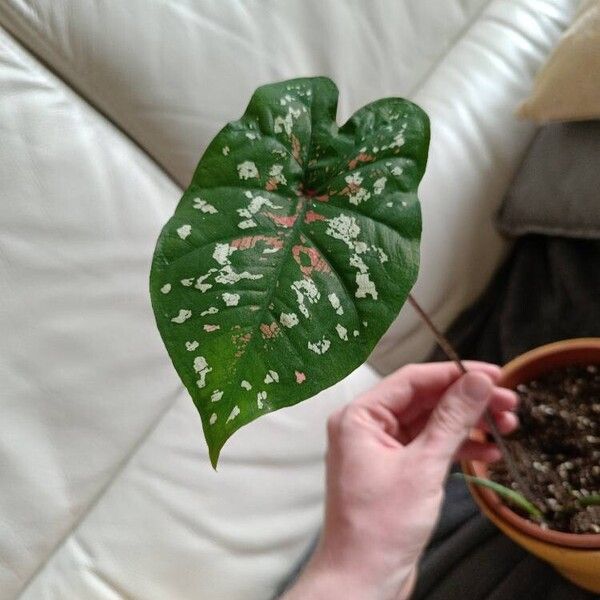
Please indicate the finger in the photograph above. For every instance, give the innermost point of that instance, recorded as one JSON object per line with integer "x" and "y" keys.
{"x": 481, "y": 451}
{"x": 506, "y": 422}
{"x": 501, "y": 400}
{"x": 459, "y": 410}
{"x": 423, "y": 383}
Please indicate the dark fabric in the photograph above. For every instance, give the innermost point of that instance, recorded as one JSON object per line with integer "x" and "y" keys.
{"x": 547, "y": 290}
{"x": 555, "y": 191}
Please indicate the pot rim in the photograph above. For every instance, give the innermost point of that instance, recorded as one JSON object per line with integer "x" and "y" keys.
{"x": 589, "y": 541}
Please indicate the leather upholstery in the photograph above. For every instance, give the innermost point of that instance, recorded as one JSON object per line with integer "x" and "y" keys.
{"x": 105, "y": 107}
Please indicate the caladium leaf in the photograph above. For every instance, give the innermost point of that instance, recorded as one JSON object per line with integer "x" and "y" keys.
{"x": 291, "y": 252}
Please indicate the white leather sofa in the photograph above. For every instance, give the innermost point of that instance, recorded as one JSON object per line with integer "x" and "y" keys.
{"x": 106, "y": 491}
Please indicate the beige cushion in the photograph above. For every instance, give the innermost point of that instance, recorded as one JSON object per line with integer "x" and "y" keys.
{"x": 568, "y": 86}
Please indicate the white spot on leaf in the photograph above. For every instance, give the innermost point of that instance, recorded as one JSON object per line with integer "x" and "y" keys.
{"x": 354, "y": 178}
{"x": 399, "y": 138}
{"x": 184, "y": 231}
{"x": 201, "y": 367}
{"x": 320, "y": 346}
{"x": 211, "y": 328}
{"x": 216, "y": 396}
{"x": 365, "y": 286}
{"x": 272, "y": 376}
{"x": 343, "y": 228}
{"x": 256, "y": 203}
{"x": 361, "y": 195}
{"x": 286, "y": 123}
{"x": 246, "y": 385}
{"x": 184, "y": 315}
{"x": 225, "y": 150}
{"x": 305, "y": 289}
{"x": 200, "y": 285}
{"x": 357, "y": 262}
{"x": 165, "y": 289}
{"x": 288, "y": 320}
{"x": 357, "y": 194}
{"x": 213, "y": 418}
{"x": 277, "y": 174}
{"x": 360, "y": 247}
{"x": 247, "y": 224}
{"x": 259, "y": 398}
{"x": 342, "y": 332}
{"x": 191, "y": 346}
{"x": 234, "y": 413}
{"x": 379, "y": 185}
{"x": 204, "y": 206}
{"x": 228, "y": 276}
{"x": 211, "y": 310}
{"x": 247, "y": 170}
{"x": 335, "y": 303}
{"x": 187, "y": 282}
{"x": 383, "y": 257}
{"x": 231, "y": 299}
{"x": 222, "y": 252}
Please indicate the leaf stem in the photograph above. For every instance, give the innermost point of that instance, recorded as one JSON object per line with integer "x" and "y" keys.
{"x": 451, "y": 353}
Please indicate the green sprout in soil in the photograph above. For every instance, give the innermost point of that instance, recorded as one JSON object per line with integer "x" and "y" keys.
{"x": 593, "y": 500}
{"x": 513, "y": 497}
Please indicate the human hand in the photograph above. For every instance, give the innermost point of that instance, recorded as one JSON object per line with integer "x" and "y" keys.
{"x": 388, "y": 456}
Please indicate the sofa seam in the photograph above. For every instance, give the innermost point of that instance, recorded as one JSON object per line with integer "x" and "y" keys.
{"x": 118, "y": 471}
{"x": 461, "y": 34}
{"x": 71, "y": 85}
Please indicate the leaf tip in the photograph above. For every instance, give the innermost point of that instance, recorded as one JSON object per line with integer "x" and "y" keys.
{"x": 215, "y": 445}
{"x": 213, "y": 453}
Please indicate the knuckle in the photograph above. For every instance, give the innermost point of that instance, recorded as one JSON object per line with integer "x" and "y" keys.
{"x": 349, "y": 415}
{"x": 449, "y": 419}
{"x": 352, "y": 418}
{"x": 409, "y": 369}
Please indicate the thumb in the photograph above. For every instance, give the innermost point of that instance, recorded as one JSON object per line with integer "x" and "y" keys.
{"x": 459, "y": 409}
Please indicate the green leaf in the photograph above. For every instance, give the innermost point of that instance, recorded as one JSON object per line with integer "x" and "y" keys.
{"x": 291, "y": 252}
{"x": 515, "y": 497}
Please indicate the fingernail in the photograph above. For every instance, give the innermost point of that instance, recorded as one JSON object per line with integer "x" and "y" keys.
{"x": 476, "y": 386}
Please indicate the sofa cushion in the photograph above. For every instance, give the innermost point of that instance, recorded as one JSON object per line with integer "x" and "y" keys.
{"x": 567, "y": 88}
{"x": 555, "y": 192}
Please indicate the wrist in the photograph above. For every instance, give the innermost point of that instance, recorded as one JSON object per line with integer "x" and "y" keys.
{"x": 326, "y": 577}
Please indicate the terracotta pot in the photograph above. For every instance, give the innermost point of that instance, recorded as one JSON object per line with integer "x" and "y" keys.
{"x": 576, "y": 556}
